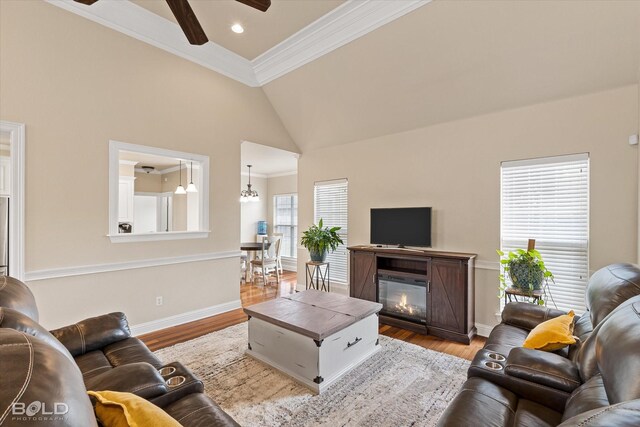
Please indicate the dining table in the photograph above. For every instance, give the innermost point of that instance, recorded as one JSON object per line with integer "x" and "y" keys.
{"x": 252, "y": 248}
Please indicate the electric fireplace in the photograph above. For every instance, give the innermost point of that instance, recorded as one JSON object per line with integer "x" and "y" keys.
{"x": 403, "y": 297}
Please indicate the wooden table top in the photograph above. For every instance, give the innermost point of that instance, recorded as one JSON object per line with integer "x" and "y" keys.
{"x": 313, "y": 313}
{"x": 253, "y": 246}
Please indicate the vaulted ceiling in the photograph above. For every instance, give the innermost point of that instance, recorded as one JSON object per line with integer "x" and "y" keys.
{"x": 364, "y": 69}
{"x": 455, "y": 59}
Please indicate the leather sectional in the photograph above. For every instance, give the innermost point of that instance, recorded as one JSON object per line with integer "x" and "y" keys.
{"x": 595, "y": 382}
{"x": 43, "y": 371}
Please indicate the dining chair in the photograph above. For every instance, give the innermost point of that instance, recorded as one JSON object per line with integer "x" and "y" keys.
{"x": 279, "y": 236}
{"x": 243, "y": 268}
{"x": 268, "y": 260}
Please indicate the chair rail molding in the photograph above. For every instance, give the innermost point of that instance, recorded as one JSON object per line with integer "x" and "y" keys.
{"x": 487, "y": 265}
{"x": 55, "y": 273}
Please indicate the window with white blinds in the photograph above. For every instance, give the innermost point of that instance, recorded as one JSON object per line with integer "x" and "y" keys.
{"x": 547, "y": 199}
{"x": 285, "y": 217}
{"x": 330, "y": 204}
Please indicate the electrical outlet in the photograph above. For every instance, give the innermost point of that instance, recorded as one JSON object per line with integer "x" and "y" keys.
{"x": 158, "y": 300}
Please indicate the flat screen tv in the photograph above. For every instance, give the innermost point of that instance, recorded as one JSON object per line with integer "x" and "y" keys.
{"x": 401, "y": 226}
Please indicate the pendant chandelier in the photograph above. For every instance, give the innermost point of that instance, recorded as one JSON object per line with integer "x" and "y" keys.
{"x": 180, "y": 188}
{"x": 191, "y": 188}
{"x": 249, "y": 195}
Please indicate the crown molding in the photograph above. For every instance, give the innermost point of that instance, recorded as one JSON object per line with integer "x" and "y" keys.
{"x": 139, "y": 23}
{"x": 269, "y": 175}
{"x": 279, "y": 174}
{"x": 255, "y": 175}
{"x": 347, "y": 22}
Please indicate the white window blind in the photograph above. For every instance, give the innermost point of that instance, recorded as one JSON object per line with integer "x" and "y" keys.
{"x": 286, "y": 222}
{"x": 330, "y": 204}
{"x": 547, "y": 199}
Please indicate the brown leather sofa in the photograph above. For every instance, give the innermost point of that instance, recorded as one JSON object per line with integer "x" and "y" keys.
{"x": 595, "y": 382}
{"x": 46, "y": 375}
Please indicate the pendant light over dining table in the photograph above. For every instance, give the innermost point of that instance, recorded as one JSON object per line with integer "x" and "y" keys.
{"x": 191, "y": 188}
{"x": 249, "y": 195}
{"x": 180, "y": 188}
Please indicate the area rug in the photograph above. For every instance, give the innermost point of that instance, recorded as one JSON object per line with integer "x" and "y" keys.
{"x": 401, "y": 385}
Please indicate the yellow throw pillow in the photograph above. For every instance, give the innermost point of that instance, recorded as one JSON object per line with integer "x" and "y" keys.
{"x": 116, "y": 409}
{"x": 553, "y": 334}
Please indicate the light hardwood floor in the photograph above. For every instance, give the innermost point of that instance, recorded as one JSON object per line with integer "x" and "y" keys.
{"x": 252, "y": 294}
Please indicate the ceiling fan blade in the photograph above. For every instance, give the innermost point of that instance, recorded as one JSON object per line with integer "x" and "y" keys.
{"x": 261, "y": 5}
{"x": 188, "y": 21}
{"x": 87, "y": 2}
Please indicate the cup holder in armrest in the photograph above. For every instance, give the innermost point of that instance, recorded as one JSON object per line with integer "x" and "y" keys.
{"x": 496, "y": 356}
{"x": 180, "y": 383}
{"x": 493, "y": 365}
{"x": 167, "y": 370}
{"x": 175, "y": 381}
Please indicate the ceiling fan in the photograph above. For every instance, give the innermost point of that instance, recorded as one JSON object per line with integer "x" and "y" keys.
{"x": 188, "y": 21}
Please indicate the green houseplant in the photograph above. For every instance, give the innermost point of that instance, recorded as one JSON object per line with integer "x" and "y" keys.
{"x": 319, "y": 240}
{"x": 525, "y": 268}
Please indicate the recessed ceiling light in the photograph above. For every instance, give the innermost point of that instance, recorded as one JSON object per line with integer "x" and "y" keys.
{"x": 237, "y": 28}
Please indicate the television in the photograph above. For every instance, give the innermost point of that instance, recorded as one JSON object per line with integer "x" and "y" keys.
{"x": 401, "y": 226}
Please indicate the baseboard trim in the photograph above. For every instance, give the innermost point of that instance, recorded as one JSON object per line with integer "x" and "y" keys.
{"x": 179, "y": 319}
{"x": 483, "y": 330}
{"x": 290, "y": 264}
{"x": 55, "y": 273}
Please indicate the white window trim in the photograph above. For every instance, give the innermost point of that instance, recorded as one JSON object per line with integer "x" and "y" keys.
{"x": 295, "y": 246}
{"x": 542, "y": 162}
{"x": 346, "y": 233}
{"x": 114, "y": 176}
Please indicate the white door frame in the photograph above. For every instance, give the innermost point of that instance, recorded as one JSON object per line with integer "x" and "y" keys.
{"x": 16, "y": 204}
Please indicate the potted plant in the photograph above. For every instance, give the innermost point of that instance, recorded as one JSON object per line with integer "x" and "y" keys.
{"x": 525, "y": 268}
{"x": 319, "y": 240}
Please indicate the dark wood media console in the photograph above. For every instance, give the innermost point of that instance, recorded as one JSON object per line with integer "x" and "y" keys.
{"x": 436, "y": 289}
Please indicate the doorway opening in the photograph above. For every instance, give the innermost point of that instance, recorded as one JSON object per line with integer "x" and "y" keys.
{"x": 12, "y": 139}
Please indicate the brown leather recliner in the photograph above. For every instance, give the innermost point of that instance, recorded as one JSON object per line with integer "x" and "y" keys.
{"x": 607, "y": 289}
{"x": 96, "y": 354}
{"x": 531, "y": 387}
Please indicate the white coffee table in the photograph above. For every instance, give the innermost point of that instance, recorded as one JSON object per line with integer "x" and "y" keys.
{"x": 314, "y": 337}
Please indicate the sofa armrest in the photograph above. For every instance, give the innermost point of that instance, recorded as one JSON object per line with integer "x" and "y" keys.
{"x": 93, "y": 333}
{"x": 623, "y": 414}
{"x": 541, "y": 367}
{"x": 139, "y": 378}
{"x": 527, "y": 316}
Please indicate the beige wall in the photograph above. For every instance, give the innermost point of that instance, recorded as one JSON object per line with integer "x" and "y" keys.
{"x": 76, "y": 85}
{"x": 253, "y": 212}
{"x": 287, "y": 184}
{"x": 148, "y": 183}
{"x": 455, "y": 168}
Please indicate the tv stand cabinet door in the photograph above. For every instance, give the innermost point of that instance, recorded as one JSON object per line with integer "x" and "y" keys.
{"x": 363, "y": 276}
{"x": 447, "y": 295}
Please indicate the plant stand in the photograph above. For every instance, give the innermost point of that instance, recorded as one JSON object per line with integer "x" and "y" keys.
{"x": 511, "y": 294}
{"x": 316, "y": 278}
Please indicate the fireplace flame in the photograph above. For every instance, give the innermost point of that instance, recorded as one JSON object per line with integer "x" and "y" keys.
{"x": 403, "y": 305}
